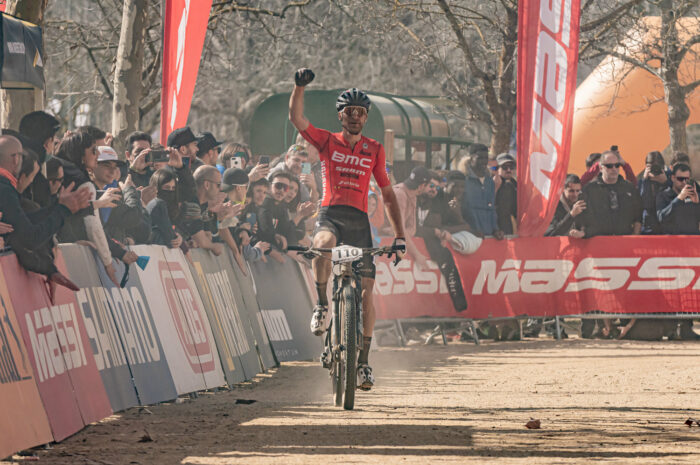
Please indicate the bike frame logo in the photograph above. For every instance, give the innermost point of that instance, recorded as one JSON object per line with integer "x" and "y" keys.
{"x": 188, "y": 317}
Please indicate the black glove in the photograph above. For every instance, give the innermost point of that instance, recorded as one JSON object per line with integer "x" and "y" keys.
{"x": 303, "y": 77}
{"x": 401, "y": 242}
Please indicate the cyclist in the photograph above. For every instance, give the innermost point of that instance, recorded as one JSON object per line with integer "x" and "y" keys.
{"x": 348, "y": 161}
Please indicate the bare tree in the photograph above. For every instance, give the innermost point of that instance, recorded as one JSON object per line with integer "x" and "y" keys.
{"x": 659, "y": 45}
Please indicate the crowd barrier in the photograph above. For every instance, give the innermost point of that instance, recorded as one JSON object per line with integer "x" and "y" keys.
{"x": 178, "y": 326}
{"x": 551, "y": 276}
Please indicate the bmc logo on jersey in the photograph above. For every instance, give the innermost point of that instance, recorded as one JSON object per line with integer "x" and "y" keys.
{"x": 353, "y": 160}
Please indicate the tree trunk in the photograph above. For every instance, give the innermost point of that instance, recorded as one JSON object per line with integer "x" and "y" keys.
{"x": 500, "y": 140}
{"x": 678, "y": 111}
{"x": 128, "y": 87}
{"x": 15, "y": 103}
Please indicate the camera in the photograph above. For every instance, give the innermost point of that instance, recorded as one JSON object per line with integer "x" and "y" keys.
{"x": 656, "y": 170}
{"x": 158, "y": 156}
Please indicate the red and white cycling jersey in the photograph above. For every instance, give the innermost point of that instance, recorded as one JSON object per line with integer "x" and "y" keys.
{"x": 347, "y": 171}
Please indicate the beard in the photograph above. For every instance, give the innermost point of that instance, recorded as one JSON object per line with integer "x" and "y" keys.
{"x": 354, "y": 132}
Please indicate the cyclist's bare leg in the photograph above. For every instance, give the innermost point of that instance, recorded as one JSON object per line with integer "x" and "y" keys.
{"x": 321, "y": 266}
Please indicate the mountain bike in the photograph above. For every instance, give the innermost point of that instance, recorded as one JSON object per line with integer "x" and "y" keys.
{"x": 344, "y": 336}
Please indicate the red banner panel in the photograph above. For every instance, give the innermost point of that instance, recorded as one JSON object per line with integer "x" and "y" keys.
{"x": 561, "y": 276}
{"x": 548, "y": 36}
{"x": 185, "y": 29}
{"x": 23, "y": 422}
{"x": 58, "y": 350}
{"x": 405, "y": 291}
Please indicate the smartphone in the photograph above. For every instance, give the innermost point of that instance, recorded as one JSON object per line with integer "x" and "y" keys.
{"x": 235, "y": 162}
{"x": 186, "y": 162}
{"x": 306, "y": 168}
{"x": 264, "y": 160}
{"x": 580, "y": 196}
{"x": 251, "y": 218}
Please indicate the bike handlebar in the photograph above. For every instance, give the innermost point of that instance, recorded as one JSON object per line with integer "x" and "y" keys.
{"x": 371, "y": 250}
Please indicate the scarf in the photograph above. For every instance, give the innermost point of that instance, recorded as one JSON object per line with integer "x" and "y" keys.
{"x": 6, "y": 174}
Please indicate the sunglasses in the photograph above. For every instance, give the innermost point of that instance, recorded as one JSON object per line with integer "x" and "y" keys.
{"x": 55, "y": 180}
{"x": 682, "y": 178}
{"x": 280, "y": 186}
{"x": 355, "y": 112}
{"x": 432, "y": 185}
{"x": 508, "y": 167}
{"x": 612, "y": 165}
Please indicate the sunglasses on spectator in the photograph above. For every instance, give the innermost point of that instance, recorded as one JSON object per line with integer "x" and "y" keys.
{"x": 432, "y": 185}
{"x": 280, "y": 186}
{"x": 682, "y": 178}
{"x": 508, "y": 167}
{"x": 356, "y": 112}
{"x": 56, "y": 180}
{"x": 612, "y": 165}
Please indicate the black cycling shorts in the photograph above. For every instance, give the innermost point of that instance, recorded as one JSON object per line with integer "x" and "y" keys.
{"x": 350, "y": 226}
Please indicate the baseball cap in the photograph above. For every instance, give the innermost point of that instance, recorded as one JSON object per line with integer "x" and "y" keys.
{"x": 180, "y": 137}
{"x": 419, "y": 175}
{"x": 504, "y": 158}
{"x": 107, "y": 153}
{"x": 206, "y": 142}
{"x": 233, "y": 177}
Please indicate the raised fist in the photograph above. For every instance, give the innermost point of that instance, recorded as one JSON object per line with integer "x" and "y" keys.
{"x": 303, "y": 77}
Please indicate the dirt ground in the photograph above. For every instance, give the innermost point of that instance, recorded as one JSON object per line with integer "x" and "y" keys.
{"x": 598, "y": 401}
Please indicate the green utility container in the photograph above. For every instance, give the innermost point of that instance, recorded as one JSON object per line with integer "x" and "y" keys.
{"x": 421, "y": 134}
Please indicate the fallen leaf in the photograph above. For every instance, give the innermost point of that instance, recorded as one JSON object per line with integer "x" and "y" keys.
{"x": 533, "y": 424}
{"x": 146, "y": 438}
{"x": 245, "y": 401}
{"x": 689, "y": 422}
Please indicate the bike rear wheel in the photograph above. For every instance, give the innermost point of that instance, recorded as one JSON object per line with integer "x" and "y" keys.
{"x": 348, "y": 317}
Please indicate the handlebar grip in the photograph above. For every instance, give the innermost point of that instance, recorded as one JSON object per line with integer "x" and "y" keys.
{"x": 400, "y": 248}
{"x": 297, "y": 248}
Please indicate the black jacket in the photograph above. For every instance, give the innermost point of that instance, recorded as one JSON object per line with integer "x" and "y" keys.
{"x": 676, "y": 216}
{"x": 273, "y": 219}
{"x": 611, "y": 209}
{"x": 562, "y": 222}
{"x": 30, "y": 229}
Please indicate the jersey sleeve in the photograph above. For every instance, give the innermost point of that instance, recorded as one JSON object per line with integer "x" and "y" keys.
{"x": 316, "y": 137}
{"x": 379, "y": 170}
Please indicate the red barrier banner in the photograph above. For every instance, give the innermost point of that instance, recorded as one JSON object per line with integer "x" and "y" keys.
{"x": 185, "y": 29}
{"x": 561, "y": 276}
{"x": 59, "y": 350}
{"x": 23, "y": 422}
{"x": 406, "y": 291}
{"x": 548, "y": 36}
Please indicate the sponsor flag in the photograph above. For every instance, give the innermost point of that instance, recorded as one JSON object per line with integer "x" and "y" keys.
{"x": 548, "y": 36}
{"x": 185, "y": 29}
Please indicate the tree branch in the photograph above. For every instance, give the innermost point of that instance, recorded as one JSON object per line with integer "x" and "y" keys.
{"x": 610, "y": 16}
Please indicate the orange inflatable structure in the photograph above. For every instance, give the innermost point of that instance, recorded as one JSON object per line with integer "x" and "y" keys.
{"x": 613, "y": 108}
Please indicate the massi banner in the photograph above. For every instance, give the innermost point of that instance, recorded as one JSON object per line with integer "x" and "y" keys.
{"x": 548, "y": 37}
{"x": 562, "y": 276}
{"x": 185, "y": 28}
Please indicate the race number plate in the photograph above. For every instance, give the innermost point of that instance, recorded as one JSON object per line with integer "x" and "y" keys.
{"x": 346, "y": 253}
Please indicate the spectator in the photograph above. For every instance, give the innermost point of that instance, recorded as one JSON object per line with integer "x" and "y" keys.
{"x": 209, "y": 196}
{"x": 613, "y": 208}
{"x": 435, "y": 224}
{"x": 570, "y": 205}
{"x": 650, "y": 183}
{"x": 677, "y": 206}
{"x": 316, "y": 165}
{"x": 594, "y": 170}
{"x": 299, "y": 212}
{"x": 407, "y": 193}
{"x": 238, "y": 155}
{"x": 208, "y": 149}
{"x": 78, "y": 154}
{"x": 592, "y": 159}
{"x": 39, "y": 128}
{"x": 257, "y": 191}
{"x": 506, "y": 194}
{"x": 127, "y": 222}
{"x": 138, "y": 148}
{"x": 235, "y": 184}
{"x": 27, "y": 171}
{"x": 478, "y": 202}
{"x": 273, "y": 217}
{"x": 165, "y": 210}
{"x": 31, "y": 234}
{"x": 678, "y": 157}
{"x": 296, "y": 160}
{"x": 54, "y": 176}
